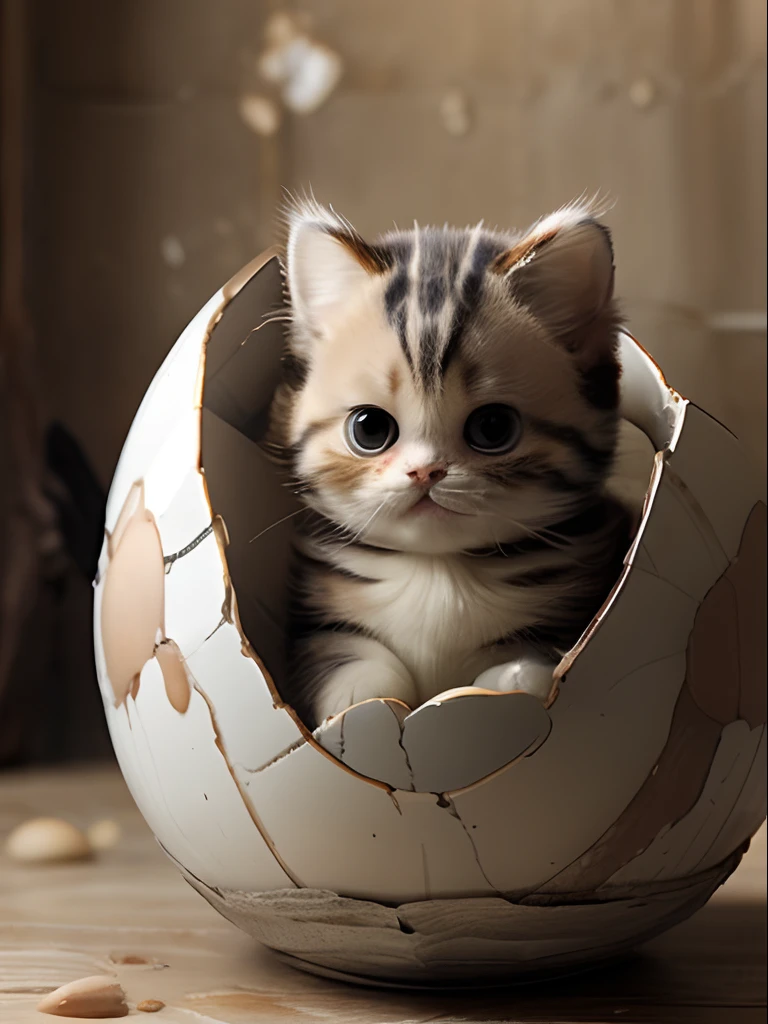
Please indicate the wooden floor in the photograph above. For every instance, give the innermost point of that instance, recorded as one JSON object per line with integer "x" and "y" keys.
{"x": 61, "y": 923}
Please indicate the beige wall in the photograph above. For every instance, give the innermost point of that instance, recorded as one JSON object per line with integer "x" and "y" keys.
{"x": 151, "y": 190}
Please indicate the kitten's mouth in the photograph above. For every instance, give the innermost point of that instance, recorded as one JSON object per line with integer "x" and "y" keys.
{"x": 429, "y": 507}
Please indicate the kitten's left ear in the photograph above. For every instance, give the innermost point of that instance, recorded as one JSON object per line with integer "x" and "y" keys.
{"x": 563, "y": 272}
{"x": 328, "y": 263}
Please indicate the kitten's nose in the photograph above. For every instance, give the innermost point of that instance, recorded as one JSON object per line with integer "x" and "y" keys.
{"x": 427, "y": 475}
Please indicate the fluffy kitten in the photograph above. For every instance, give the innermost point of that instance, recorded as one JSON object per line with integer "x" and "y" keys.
{"x": 451, "y": 424}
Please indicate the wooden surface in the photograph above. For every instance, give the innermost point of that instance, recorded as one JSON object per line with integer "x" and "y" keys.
{"x": 58, "y": 923}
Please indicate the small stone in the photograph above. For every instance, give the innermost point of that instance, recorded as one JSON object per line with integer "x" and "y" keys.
{"x": 104, "y": 834}
{"x": 47, "y": 841}
{"x": 150, "y": 1005}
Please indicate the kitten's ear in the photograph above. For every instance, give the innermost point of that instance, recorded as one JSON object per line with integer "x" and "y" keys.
{"x": 563, "y": 272}
{"x": 328, "y": 263}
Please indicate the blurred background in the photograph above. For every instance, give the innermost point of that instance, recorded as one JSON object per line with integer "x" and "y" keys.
{"x": 144, "y": 149}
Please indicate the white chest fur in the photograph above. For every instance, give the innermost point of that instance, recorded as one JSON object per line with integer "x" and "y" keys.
{"x": 439, "y": 614}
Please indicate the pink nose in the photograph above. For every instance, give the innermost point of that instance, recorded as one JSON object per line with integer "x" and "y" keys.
{"x": 427, "y": 475}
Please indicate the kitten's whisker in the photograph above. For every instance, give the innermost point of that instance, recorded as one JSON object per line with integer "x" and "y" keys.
{"x": 279, "y": 521}
{"x": 365, "y": 525}
{"x": 546, "y": 535}
{"x": 470, "y": 494}
{"x": 566, "y": 545}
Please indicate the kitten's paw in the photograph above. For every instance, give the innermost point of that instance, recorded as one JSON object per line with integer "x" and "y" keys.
{"x": 364, "y": 680}
{"x": 529, "y": 673}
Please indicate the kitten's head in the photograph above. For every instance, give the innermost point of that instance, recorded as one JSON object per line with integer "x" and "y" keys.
{"x": 458, "y": 388}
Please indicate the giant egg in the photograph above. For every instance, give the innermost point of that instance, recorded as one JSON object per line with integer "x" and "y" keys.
{"x": 483, "y": 836}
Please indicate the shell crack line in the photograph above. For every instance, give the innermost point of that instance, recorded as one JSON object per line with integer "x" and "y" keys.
{"x": 168, "y": 560}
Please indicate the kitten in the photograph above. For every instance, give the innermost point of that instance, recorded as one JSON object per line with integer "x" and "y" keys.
{"x": 451, "y": 423}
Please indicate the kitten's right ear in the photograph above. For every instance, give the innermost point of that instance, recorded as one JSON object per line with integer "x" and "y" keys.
{"x": 328, "y": 263}
{"x": 562, "y": 270}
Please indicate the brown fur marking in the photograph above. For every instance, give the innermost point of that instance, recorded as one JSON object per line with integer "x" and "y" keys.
{"x": 370, "y": 257}
{"x": 524, "y": 251}
{"x": 394, "y": 380}
{"x": 341, "y": 471}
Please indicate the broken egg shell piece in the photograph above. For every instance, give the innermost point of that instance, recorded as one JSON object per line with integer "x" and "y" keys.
{"x": 47, "y": 841}
{"x": 440, "y": 739}
{"x": 430, "y": 750}
{"x": 99, "y": 997}
{"x": 367, "y": 738}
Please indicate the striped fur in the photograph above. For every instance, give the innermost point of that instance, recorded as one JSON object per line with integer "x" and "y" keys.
{"x": 394, "y": 598}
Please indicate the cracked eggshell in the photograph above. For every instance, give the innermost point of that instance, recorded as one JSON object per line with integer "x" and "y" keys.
{"x": 485, "y": 834}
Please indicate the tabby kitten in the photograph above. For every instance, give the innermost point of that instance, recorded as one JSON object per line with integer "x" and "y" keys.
{"x": 451, "y": 427}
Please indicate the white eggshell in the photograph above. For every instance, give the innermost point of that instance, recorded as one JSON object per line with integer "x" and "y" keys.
{"x": 484, "y": 834}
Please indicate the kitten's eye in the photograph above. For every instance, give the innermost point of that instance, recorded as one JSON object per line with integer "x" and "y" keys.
{"x": 492, "y": 429}
{"x": 370, "y": 431}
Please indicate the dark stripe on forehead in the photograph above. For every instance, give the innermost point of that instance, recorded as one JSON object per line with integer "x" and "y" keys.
{"x": 395, "y": 297}
{"x": 471, "y": 291}
{"x": 433, "y": 292}
{"x": 452, "y": 344}
{"x": 396, "y": 291}
{"x": 429, "y": 356}
{"x": 400, "y": 325}
{"x": 442, "y": 278}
